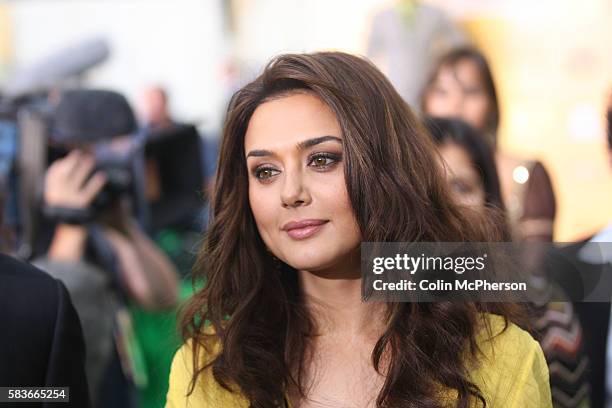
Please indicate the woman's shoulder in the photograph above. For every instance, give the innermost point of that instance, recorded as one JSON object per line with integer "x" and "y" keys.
{"x": 207, "y": 392}
{"x": 511, "y": 370}
{"x": 495, "y": 332}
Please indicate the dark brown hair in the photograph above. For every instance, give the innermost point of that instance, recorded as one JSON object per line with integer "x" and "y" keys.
{"x": 451, "y": 60}
{"x": 252, "y": 306}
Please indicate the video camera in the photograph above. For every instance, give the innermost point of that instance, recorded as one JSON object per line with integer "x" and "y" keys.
{"x": 36, "y": 129}
{"x": 102, "y": 123}
{"x": 99, "y": 122}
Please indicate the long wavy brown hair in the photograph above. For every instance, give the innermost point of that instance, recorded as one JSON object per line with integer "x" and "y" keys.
{"x": 251, "y": 304}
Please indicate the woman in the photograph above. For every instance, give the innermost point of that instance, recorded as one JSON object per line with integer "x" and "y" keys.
{"x": 472, "y": 177}
{"x": 461, "y": 86}
{"x": 470, "y": 165}
{"x": 320, "y": 153}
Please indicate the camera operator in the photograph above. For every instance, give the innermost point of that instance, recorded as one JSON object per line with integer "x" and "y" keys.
{"x": 98, "y": 248}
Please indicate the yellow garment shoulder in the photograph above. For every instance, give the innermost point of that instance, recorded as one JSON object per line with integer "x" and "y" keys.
{"x": 511, "y": 373}
{"x": 207, "y": 392}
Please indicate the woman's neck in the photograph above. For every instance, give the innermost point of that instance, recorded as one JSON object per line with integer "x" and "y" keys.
{"x": 336, "y": 305}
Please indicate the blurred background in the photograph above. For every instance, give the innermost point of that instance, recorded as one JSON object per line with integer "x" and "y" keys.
{"x": 550, "y": 60}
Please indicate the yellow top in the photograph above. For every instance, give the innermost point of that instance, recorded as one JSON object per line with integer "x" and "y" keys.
{"x": 512, "y": 373}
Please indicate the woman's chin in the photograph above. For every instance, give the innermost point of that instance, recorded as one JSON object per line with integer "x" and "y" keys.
{"x": 302, "y": 264}
{"x": 320, "y": 264}
{"x": 319, "y": 255}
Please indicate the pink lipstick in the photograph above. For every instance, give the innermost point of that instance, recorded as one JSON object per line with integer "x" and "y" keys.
{"x": 304, "y": 228}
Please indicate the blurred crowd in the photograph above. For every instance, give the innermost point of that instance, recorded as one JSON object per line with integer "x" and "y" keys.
{"x": 114, "y": 204}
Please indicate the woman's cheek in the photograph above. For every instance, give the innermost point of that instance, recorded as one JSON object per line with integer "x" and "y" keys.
{"x": 263, "y": 211}
{"x": 344, "y": 214}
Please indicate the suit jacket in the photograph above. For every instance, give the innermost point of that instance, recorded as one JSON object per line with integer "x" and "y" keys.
{"x": 41, "y": 342}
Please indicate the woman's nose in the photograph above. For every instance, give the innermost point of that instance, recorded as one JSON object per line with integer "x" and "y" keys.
{"x": 294, "y": 192}
{"x": 456, "y": 105}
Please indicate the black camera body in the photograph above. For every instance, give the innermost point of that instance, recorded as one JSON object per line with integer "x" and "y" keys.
{"x": 103, "y": 124}
{"x": 99, "y": 122}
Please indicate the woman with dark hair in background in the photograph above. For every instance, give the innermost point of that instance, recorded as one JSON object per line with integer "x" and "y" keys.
{"x": 320, "y": 153}
{"x": 470, "y": 171}
{"x": 473, "y": 176}
{"x": 462, "y": 86}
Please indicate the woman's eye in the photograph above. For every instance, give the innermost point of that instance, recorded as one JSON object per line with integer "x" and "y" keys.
{"x": 264, "y": 173}
{"x": 323, "y": 160}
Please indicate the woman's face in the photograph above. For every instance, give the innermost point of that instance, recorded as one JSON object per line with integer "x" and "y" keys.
{"x": 458, "y": 92}
{"x": 464, "y": 180}
{"x": 297, "y": 190}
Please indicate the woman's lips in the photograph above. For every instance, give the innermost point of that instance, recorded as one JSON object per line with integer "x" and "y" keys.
{"x": 305, "y": 231}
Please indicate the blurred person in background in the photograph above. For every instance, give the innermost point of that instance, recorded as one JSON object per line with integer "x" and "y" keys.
{"x": 98, "y": 249}
{"x": 155, "y": 118}
{"x": 155, "y": 110}
{"x": 470, "y": 170}
{"x": 405, "y": 41}
{"x": 42, "y": 342}
{"x": 470, "y": 165}
{"x": 461, "y": 86}
{"x": 605, "y": 235}
{"x": 593, "y": 255}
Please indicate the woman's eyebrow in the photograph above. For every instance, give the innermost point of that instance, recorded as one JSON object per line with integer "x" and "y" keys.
{"x": 259, "y": 153}
{"x": 312, "y": 142}
{"x": 301, "y": 145}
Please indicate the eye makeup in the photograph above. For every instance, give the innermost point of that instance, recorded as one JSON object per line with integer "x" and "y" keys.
{"x": 324, "y": 160}
{"x": 318, "y": 161}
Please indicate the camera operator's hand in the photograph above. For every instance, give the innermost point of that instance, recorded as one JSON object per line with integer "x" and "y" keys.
{"x": 67, "y": 182}
{"x": 67, "y": 185}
